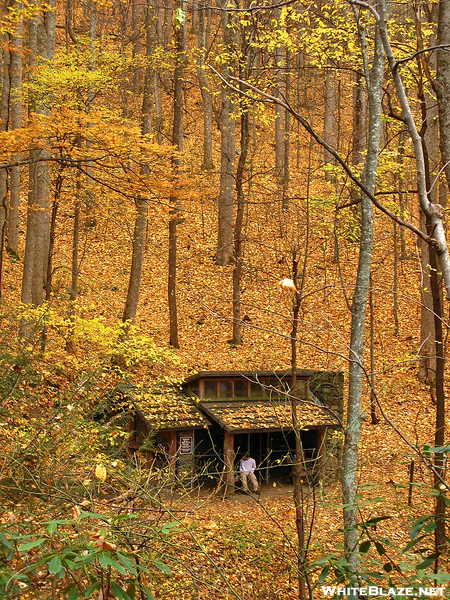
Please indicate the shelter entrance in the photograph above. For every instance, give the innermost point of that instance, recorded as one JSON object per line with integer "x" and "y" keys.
{"x": 274, "y": 452}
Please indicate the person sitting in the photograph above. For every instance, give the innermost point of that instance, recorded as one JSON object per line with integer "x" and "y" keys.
{"x": 247, "y": 468}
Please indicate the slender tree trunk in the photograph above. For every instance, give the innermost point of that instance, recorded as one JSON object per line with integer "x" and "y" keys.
{"x": 238, "y": 241}
{"x": 329, "y": 120}
{"x": 373, "y": 412}
{"x": 136, "y": 33}
{"x": 205, "y": 87}
{"x": 359, "y": 125}
{"x": 355, "y": 416}
{"x": 434, "y": 212}
{"x": 42, "y": 45}
{"x": 177, "y": 141}
{"x": 443, "y": 85}
{"x": 90, "y": 219}
{"x": 286, "y": 167}
{"x": 4, "y": 117}
{"x": 298, "y": 491}
{"x": 158, "y": 73}
{"x": 195, "y": 16}
{"x": 73, "y": 294}
{"x": 134, "y": 286}
{"x": 147, "y": 104}
{"x": 278, "y": 92}
{"x": 15, "y": 69}
{"x": 224, "y": 254}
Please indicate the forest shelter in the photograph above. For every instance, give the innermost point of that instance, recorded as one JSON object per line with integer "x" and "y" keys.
{"x": 216, "y": 417}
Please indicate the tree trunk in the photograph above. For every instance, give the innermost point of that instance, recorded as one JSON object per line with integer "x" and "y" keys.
{"x": 238, "y": 241}
{"x": 278, "y": 92}
{"x": 158, "y": 74}
{"x": 434, "y": 212}
{"x": 359, "y": 126}
{"x": 355, "y": 416}
{"x": 205, "y": 87}
{"x": 329, "y": 120}
{"x": 134, "y": 286}
{"x": 15, "y": 69}
{"x": 298, "y": 466}
{"x": 4, "y": 117}
{"x": 147, "y": 105}
{"x": 42, "y": 45}
{"x": 443, "y": 85}
{"x": 224, "y": 254}
{"x": 136, "y": 35}
{"x": 177, "y": 141}
{"x": 90, "y": 219}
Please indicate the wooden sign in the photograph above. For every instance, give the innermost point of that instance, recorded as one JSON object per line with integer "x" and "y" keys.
{"x": 186, "y": 445}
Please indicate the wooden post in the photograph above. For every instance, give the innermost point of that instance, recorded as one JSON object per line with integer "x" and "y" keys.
{"x": 321, "y": 454}
{"x": 149, "y": 458}
{"x": 173, "y": 451}
{"x": 228, "y": 459}
{"x": 132, "y": 437}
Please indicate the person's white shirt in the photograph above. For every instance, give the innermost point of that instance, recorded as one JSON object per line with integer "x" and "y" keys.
{"x": 247, "y": 466}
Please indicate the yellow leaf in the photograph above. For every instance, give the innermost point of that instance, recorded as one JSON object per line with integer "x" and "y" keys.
{"x": 100, "y": 472}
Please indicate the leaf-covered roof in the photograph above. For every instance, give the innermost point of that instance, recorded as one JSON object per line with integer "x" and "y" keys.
{"x": 169, "y": 409}
{"x": 265, "y": 414}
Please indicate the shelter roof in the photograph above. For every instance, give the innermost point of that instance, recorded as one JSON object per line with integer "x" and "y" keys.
{"x": 267, "y": 415}
{"x": 169, "y": 409}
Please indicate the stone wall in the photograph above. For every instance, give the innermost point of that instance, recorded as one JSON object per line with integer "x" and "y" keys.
{"x": 328, "y": 386}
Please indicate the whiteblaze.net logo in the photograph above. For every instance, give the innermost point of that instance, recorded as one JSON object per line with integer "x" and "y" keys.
{"x": 373, "y": 590}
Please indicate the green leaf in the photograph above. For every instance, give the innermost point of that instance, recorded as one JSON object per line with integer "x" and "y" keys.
{"x": 118, "y": 566}
{"x": 25, "y": 547}
{"x": 5, "y": 542}
{"x": 105, "y": 560}
{"x": 364, "y": 547}
{"x": 74, "y": 595}
{"x": 440, "y": 577}
{"x": 95, "y": 586}
{"x": 377, "y": 520}
{"x": 163, "y": 567}
{"x": 169, "y": 526}
{"x": 413, "y": 543}
{"x": 119, "y": 592}
{"x": 55, "y": 565}
{"x": 148, "y": 593}
{"x": 426, "y": 563}
{"x": 52, "y": 527}
{"x": 324, "y": 573}
{"x": 417, "y": 527}
{"x": 86, "y": 560}
{"x": 430, "y": 527}
{"x": 128, "y": 563}
{"x": 131, "y": 590}
{"x": 123, "y": 517}
{"x": 322, "y": 561}
{"x": 376, "y": 575}
{"x": 380, "y": 548}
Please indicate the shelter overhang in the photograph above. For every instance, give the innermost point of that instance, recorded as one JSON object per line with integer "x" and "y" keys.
{"x": 267, "y": 415}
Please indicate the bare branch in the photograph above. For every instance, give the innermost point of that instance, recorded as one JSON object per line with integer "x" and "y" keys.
{"x": 268, "y": 98}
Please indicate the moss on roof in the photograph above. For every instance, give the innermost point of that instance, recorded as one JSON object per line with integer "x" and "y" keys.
{"x": 169, "y": 409}
{"x": 267, "y": 415}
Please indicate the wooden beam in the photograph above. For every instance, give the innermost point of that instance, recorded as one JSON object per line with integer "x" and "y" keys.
{"x": 173, "y": 451}
{"x": 149, "y": 458}
{"x": 321, "y": 450}
{"x": 228, "y": 459}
